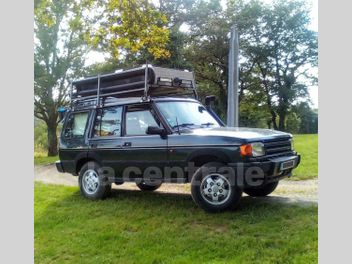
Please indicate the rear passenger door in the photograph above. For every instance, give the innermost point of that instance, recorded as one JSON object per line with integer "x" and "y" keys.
{"x": 140, "y": 149}
{"x": 105, "y": 137}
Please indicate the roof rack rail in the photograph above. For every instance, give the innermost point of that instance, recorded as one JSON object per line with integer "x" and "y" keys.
{"x": 146, "y": 81}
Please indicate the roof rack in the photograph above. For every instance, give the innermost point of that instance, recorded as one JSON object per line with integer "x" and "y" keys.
{"x": 146, "y": 81}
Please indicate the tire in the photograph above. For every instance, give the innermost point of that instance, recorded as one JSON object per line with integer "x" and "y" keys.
{"x": 148, "y": 186}
{"x": 91, "y": 184}
{"x": 262, "y": 191}
{"x": 212, "y": 191}
{"x": 119, "y": 182}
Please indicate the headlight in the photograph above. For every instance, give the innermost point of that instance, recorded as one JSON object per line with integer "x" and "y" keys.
{"x": 292, "y": 144}
{"x": 257, "y": 149}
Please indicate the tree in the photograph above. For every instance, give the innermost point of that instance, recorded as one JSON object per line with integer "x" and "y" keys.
{"x": 277, "y": 51}
{"x": 293, "y": 122}
{"x": 66, "y": 30}
{"x": 206, "y": 49}
{"x": 58, "y": 57}
{"x": 308, "y": 117}
{"x": 208, "y": 45}
{"x": 173, "y": 14}
{"x": 284, "y": 50}
{"x": 127, "y": 27}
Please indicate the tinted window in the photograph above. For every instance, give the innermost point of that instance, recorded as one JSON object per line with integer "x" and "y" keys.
{"x": 108, "y": 122}
{"x": 76, "y": 124}
{"x": 138, "y": 120}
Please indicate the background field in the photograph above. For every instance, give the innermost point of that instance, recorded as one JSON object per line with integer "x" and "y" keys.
{"x": 307, "y": 146}
{"x": 137, "y": 227}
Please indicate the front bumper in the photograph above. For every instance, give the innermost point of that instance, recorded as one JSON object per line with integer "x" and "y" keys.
{"x": 59, "y": 166}
{"x": 269, "y": 170}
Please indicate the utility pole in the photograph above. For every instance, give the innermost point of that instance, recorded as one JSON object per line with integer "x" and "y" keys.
{"x": 232, "y": 87}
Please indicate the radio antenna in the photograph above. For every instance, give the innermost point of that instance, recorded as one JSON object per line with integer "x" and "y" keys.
{"x": 178, "y": 127}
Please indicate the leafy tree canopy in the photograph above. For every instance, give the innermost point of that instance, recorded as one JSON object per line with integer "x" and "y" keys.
{"x": 58, "y": 57}
{"x": 122, "y": 27}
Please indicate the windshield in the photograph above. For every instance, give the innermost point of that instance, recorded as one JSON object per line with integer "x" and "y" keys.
{"x": 186, "y": 114}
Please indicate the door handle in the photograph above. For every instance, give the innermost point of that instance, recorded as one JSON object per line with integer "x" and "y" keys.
{"x": 127, "y": 144}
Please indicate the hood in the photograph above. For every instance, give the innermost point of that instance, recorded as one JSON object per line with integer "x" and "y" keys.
{"x": 246, "y": 134}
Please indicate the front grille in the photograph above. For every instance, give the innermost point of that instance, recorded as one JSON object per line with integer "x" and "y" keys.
{"x": 277, "y": 146}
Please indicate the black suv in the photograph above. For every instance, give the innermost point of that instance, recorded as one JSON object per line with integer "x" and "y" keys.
{"x": 146, "y": 125}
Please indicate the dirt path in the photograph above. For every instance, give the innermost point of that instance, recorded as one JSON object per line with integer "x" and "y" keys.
{"x": 301, "y": 192}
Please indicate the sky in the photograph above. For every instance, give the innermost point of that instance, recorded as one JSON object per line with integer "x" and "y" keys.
{"x": 95, "y": 57}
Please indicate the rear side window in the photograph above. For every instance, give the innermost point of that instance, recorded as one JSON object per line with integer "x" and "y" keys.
{"x": 108, "y": 122}
{"x": 76, "y": 125}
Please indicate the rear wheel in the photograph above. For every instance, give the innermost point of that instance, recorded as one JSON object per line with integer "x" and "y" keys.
{"x": 262, "y": 191}
{"x": 92, "y": 184}
{"x": 213, "y": 191}
{"x": 119, "y": 182}
{"x": 150, "y": 186}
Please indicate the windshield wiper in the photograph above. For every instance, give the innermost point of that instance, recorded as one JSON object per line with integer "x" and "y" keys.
{"x": 208, "y": 124}
{"x": 183, "y": 125}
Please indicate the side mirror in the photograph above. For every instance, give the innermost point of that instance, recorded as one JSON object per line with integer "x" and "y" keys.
{"x": 209, "y": 100}
{"x": 154, "y": 130}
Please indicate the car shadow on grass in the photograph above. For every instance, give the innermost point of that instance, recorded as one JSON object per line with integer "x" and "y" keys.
{"x": 184, "y": 200}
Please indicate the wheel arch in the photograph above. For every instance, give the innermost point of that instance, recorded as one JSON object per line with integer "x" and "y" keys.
{"x": 201, "y": 157}
{"x": 83, "y": 160}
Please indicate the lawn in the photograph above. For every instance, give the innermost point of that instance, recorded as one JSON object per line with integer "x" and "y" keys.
{"x": 137, "y": 227}
{"x": 307, "y": 146}
{"x": 40, "y": 159}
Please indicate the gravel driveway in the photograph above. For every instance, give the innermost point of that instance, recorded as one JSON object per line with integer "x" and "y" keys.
{"x": 300, "y": 192}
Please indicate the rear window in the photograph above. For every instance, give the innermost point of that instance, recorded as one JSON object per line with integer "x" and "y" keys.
{"x": 76, "y": 125}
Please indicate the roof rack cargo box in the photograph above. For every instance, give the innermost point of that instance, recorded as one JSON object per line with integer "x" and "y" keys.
{"x": 141, "y": 81}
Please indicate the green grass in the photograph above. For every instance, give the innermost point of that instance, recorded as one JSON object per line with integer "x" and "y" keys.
{"x": 307, "y": 146}
{"x": 137, "y": 227}
{"x": 43, "y": 159}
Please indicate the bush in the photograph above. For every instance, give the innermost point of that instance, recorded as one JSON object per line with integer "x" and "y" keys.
{"x": 40, "y": 137}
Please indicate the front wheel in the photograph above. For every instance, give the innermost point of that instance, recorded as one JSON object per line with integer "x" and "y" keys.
{"x": 213, "y": 191}
{"x": 92, "y": 184}
{"x": 262, "y": 191}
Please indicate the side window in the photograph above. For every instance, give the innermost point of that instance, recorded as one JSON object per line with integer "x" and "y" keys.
{"x": 76, "y": 125}
{"x": 138, "y": 120}
{"x": 108, "y": 122}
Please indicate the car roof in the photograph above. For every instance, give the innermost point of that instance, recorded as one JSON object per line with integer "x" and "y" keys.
{"x": 168, "y": 99}
{"x": 129, "y": 100}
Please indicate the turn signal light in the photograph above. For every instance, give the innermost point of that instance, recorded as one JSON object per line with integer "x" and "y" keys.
{"x": 246, "y": 150}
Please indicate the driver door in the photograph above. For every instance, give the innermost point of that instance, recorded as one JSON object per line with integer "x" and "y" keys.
{"x": 139, "y": 149}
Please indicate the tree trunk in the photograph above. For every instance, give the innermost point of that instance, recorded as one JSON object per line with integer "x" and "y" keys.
{"x": 272, "y": 112}
{"x": 52, "y": 139}
{"x": 282, "y": 116}
{"x": 273, "y": 119}
{"x": 268, "y": 97}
